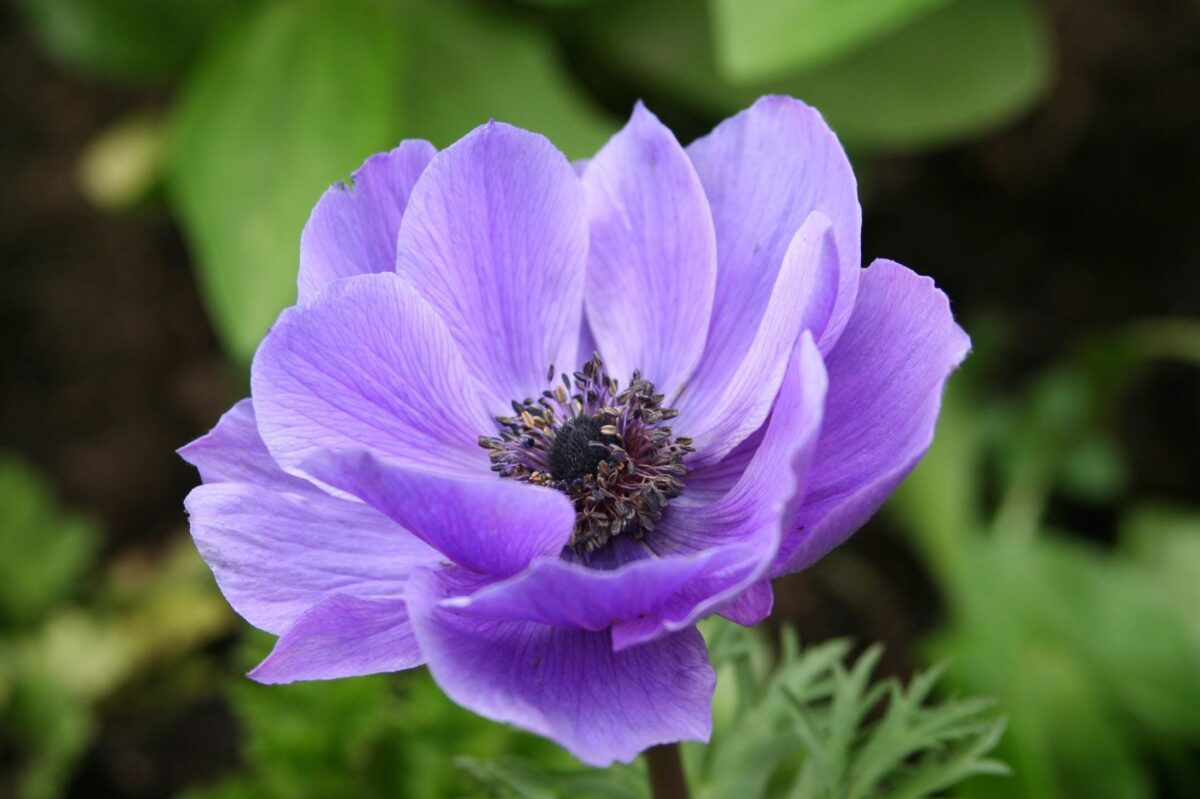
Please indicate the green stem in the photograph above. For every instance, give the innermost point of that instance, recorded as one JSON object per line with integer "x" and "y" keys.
{"x": 667, "y": 780}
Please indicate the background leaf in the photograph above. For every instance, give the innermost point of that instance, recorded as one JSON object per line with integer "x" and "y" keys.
{"x": 469, "y": 65}
{"x": 126, "y": 38}
{"x": 761, "y": 39}
{"x": 949, "y": 73}
{"x": 292, "y": 101}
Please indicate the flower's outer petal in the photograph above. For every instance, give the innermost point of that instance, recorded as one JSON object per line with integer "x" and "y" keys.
{"x": 568, "y": 685}
{"x": 886, "y": 378}
{"x": 368, "y": 365}
{"x": 343, "y": 636}
{"x": 702, "y": 560}
{"x": 275, "y": 553}
{"x": 652, "y": 264}
{"x": 764, "y": 171}
{"x": 495, "y": 238}
{"x": 233, "y": 452}
{"x": 352, "y": 231}
{"x": 485, "y": 524}
{"x": 752, "y": 605}
{"x": 720, "y": 415}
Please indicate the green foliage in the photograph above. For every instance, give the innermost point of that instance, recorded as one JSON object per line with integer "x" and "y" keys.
{"x": 949, "y": 73}
{"x": 293, "y": 99}
{"x": 813, "y": 726}
{"x": 470, "y": 66}
{"x": 126, "y": 38}
{"x": 46, "y": 550}
{"x": 1092, "y": 654}
{"x": 60, "y": 657}
{"x": 760, "y": 39}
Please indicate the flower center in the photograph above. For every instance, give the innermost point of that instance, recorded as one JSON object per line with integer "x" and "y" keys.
{"x": 609, "y": 450}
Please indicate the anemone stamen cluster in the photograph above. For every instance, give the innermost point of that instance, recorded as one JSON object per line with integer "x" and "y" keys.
{"x": 609, "y": 450}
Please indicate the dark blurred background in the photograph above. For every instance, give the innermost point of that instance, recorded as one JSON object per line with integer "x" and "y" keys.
{"x": 1051, "y": 547}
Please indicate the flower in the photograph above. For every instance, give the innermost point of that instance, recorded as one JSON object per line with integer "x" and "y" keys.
{"x": 435, "y": 468}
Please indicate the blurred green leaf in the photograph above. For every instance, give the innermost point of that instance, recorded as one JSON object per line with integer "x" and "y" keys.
{"x": 1084, "y": 654}
{"x": 763, "y": 39}
{"x": 126, "y": 38}
{"x": 472, "y": 63}
{"x": 46, "y": 550}
{"x": 292, "y": 101}
{"x": 950, "y": 73}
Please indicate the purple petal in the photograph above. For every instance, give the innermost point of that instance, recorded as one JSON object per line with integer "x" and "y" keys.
{"x": 275, "y": 554}
{"x": 719, "y": 410}
{"x": 495, "y": 238}
{"x": 752, "y": 605}
{"x": 352, "y": 231}
{"x": 485, "y": 524}
{"x": 764, "y": 171}
{"x": 753, "y": 516}
{"x": 233, "y": 452}
{"x": 652, "y": 265}
{"x": 568, "y": 685}
{"x": 885, "y": 390}
{"x": 343, "y": 636}
{"x": 563, "y": 594}
{"x": 369, "y": 365}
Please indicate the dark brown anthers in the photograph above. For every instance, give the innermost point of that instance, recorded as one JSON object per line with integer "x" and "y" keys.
{"x": 609, "y": 450}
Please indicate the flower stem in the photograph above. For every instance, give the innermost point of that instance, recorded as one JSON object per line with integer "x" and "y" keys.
{"x": 666, "y": 772}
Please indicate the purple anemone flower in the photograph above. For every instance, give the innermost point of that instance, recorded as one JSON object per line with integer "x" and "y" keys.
{"x": 528, "y": 423}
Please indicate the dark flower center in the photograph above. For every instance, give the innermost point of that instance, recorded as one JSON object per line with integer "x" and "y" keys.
{"x": 609, "y": 450}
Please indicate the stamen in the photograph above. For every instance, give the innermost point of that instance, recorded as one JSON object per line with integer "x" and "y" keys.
{"x": 606, "y": 448}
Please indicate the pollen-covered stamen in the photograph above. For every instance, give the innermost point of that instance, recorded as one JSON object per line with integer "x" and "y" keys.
{"x": 607, "y": 449}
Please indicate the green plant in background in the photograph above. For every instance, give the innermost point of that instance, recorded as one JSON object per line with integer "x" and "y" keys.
{"x": 1093, "y": 654}
{"x": 69, "y": 637}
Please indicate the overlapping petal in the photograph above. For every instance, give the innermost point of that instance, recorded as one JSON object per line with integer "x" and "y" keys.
{"x": 764, "y": 171}
{"x": 343, "y": 636}
{"x": 652, "y": 265}
{"x": 718, "y": 409}
{"x": 495, "y": 239}
{"x": 352, "y": 230}
{"x": 568, "y": 685}
{"x": 233, "y": 452}
{"x": 885, "y": 389}
{"x": 368, "y": 365}
{"x": 277, "y": 552}
{"x": 752, "y": 517}
{"x": 487, "y": 525}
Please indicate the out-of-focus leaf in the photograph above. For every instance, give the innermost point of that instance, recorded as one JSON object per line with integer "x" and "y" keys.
{"x": 1084, "y": 654}
{"x": 939, "y": 501}
{"x": 1165, "y": 544}
{"x": 45, "y": 549}
{"x": 471, "y": 63}
{"x": 126, "y": 38}
{"x": 949, "y": 73}
{"x": 292, "y": 101}
{"x": 762, "y": 39}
